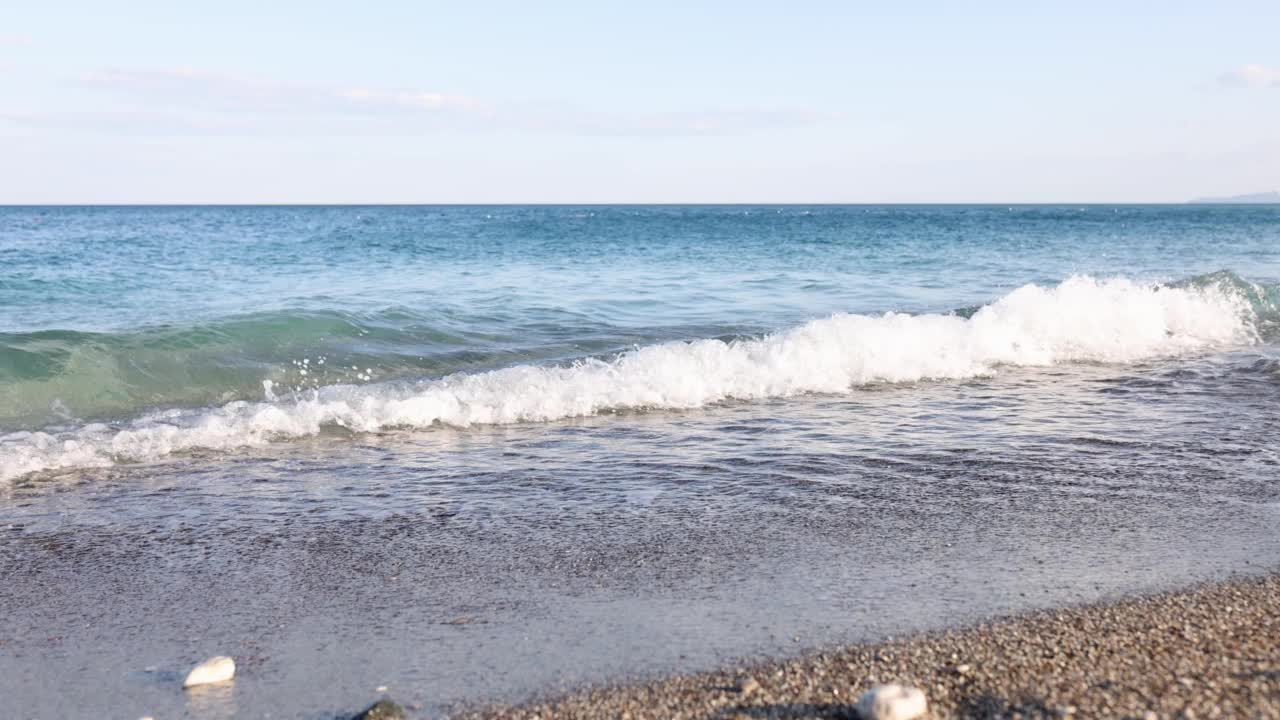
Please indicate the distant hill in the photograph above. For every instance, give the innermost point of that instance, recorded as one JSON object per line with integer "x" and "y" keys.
{"x": 1251, "y": 199}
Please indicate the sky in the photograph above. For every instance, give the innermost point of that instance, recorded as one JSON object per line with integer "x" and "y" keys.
{"x": 601, "y": 102}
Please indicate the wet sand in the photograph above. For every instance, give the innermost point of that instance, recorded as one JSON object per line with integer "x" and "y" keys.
{"x": 500, "y": 565}
{"x": 1206, "y": 653}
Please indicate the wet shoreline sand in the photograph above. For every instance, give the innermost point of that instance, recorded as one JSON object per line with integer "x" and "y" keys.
{"x": 1211, "y": 651}
{"x": 326, "y": 587}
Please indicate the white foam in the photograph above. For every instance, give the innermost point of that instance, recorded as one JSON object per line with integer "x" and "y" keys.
{"x": 1080, "y": 320}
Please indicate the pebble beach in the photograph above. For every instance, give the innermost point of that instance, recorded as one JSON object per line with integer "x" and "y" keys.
{"x": 630, "y": 361}
{"x": 1210, "y": 652}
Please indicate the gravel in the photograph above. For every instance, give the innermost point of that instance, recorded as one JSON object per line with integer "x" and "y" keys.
{"x": 1211, "y": 652}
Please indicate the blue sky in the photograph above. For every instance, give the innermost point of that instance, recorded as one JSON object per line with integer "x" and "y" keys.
{"x": 637, "y": 102}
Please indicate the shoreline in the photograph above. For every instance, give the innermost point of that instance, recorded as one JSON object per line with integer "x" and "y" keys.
{"x": 1207, "y": 651}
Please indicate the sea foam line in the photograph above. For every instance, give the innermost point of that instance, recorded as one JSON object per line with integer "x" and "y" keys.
{"x": 1079, "y": 320}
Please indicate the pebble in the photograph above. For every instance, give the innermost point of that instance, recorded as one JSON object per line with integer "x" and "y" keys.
{"x": 382, "y": 710}
{"x": 214, "y": 670}
{"x": 892, "y": 702}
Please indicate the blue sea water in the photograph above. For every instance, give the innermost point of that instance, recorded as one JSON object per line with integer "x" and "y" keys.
{"x": 611, "y": 439}
{"x": 110, "y": 316}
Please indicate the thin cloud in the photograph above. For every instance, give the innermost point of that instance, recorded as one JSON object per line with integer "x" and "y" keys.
{"x": 192, "y": 88}
{"x": 412, "y": 110}
{"x": 1251, "y": 76}
{"x": 720, "y": 122}
{"x": 16, "y": 40}
{"x": 140, "y": 123}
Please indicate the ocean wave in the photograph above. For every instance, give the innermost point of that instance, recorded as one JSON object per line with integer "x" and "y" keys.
{"x": 60, "y": 376}
{"x": 1080, "y": 320}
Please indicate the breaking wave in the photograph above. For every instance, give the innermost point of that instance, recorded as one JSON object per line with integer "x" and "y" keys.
{"x": 1081, "y": 320}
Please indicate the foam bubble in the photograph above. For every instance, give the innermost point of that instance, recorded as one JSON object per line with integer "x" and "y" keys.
{"x": 1079, "y": 320}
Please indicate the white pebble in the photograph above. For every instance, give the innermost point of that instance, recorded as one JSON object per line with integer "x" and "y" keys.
{"x": 892, "y": 702}
{"x": 214, "y": 670}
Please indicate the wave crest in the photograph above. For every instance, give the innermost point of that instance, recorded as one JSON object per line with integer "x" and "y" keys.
{"x": 1080, "y": 320}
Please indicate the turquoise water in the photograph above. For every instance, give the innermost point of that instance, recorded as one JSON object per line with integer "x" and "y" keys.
{"x": 113, "y": 319}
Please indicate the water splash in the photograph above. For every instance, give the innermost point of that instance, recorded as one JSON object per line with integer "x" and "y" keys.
{"x": 1080, "y": 320}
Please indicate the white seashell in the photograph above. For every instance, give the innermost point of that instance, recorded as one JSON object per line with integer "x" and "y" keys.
{"x": 892, "y": 702}
{"x": 214, "y": 670}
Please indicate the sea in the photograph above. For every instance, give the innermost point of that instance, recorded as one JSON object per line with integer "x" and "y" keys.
{"x": 464, "y": 454}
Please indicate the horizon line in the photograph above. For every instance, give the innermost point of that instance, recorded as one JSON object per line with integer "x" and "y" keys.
{"x": 1108, "y": 203}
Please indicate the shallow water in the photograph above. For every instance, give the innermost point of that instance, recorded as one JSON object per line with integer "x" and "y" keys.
{"x": 670, "y": 509}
